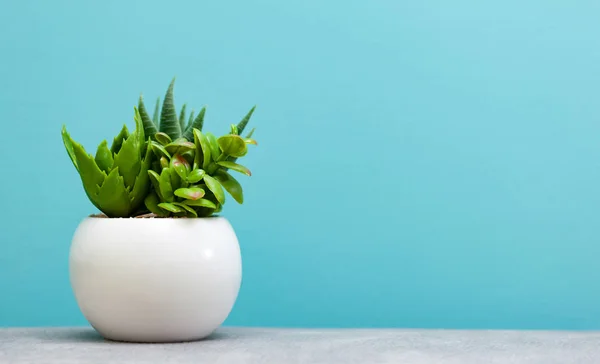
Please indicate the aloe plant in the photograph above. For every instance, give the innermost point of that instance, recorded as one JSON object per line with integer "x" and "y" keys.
{"x": 190, "y": 179}
{"x": 115, "y": 180}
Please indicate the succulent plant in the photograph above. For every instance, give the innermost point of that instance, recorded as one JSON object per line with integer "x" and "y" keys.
{"x": 166, "y": 166}
{"x": 115, "y": 180}
{"x": 190, "y": 179}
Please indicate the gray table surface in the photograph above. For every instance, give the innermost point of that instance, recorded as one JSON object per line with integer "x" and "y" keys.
{"x": 286, "y": 346}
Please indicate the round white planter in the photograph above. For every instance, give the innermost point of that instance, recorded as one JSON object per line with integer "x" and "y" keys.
{"x": 155, "y": 280}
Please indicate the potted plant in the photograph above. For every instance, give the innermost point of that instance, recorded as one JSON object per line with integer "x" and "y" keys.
{"x": 158, "y": 264}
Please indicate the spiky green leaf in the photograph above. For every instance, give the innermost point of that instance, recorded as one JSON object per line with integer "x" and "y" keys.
{"x": 118, "y": 140}
{"x": 104, "y": 158}
{"x": 113, "y": 197}
{"x": 242, "y": 124}
{"x": 150, "y": 129}
{"x": 129, "y": 160}
{"x": 215, "y": 187}
{"x": 249, "y": 135}
{"x": 189, "y": 122}
{"x": 142, "y": 181}
{"x": 198, "y": 123}
{"x": 182, "y": 118}
{"x": 91, "y": 175}
{"x": 68, "y": 142}
{"x": 156, "y": 114}
{"x": 231, "y": 185}
{"x": 168, "y": 114}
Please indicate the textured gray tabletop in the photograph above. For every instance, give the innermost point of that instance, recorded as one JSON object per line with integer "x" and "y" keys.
{"x": 286, "y": 346}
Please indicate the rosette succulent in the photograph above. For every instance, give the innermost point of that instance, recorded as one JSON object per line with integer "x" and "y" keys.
{"x": 167, "y": 167}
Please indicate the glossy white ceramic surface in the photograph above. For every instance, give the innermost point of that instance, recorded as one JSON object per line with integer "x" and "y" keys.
{"x": 155, "y": 280}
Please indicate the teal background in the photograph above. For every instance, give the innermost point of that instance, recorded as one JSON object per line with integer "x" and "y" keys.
{"x": 421, "y": 163}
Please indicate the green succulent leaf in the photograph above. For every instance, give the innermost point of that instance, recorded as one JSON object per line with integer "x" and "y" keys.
{"x": 113, "y": 197}
{"x": 168, "y": 115}
{"x": 139, "y": 131}
{"x": 149, "y": 126}
{"x": 189, "y": 122}
{"x": 215, "y": 187}
{"x": 234, "y": 130}
{"x": 165, "y": 186}
{"x": 198, "y": 123}
{"x": 170, "y": 207}
{"x": 164, "y": 162}
{"x": 162, "y": 138}
{"x": 156, "y": 115}
{"x": 234, "y": 166}
{"x": 128, "y": 160}
{"x": 195, "y": 176}
{"x": 202, "y": 145}
{"x": 180, "y": 146}
{"x": 181, "y": 166}
{"x": 104, "y": 158}
{"x": 250, "y": 141}
{"x": 233, "y": 145}
{"x": 231, "y": 185}
{"x": 151, "y": 201}
{"x": 213, "y": 144}
{"x": 182, "y": 118}
{"x": 91, "y": 175}
{"x": 142, "y": 181}
{"x": 155, "y": 179}
{"x": 249, "y": 135}
{"x": 118, "y": 140}
{"x": 159, "y": 150}
{"x": 189, "y": 210}
{"x": 201, "y": 203}
{"x": 190, "y": 193}
{"x": 68, "y": 142}
{"x": 242, "y": 124}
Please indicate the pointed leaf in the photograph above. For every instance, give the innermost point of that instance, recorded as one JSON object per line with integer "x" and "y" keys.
{"x": 151, "y": 202}
{"x": 190, "y": 193}
{"x": 156, "y": 115}
{"x": 91, "y": 176}
{"x": 233, "y": 145}
{"x": 142, "y": 181}
{"x": 128, "y": 161}
{"x": 201, "y": 203}
{"x": 170, "y": 207}
{"x": 231, "y": 185}
{"x": 215, "y": 151}
{"x": 159, "y": 150}
{"x": 242, "y": 124}
{"x": 166, "y": 189}
{"x": 250, "y": 141}
{"x": 236, "y": 167}
{"x": 149, "y": 127}
{"x": 104, "y": 158}
{"x": 162, "y": 138}
{"x": 181, "y": 166}
{"x": 168, "y": 115}
{"x": 215, "y": 187}
{"x": 249, "y": 135}
{"x": 203, "y": 146}
{"x": 118, "y": 140}
{"x": 188, "y": 209}
{"x": 182, "y": 118}
{"x": 189, "y": 122}
{"x": 68, "y": 142}
{"x": 234, "y": 130}
{"x": 139, "y": 131}
{"x": 198, "y": 123}
{"x": 196, "y": 175}
{"x": 113, "y": 198}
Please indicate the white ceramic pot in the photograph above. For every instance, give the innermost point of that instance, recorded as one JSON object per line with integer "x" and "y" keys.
{"x": 155, "y": 280}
